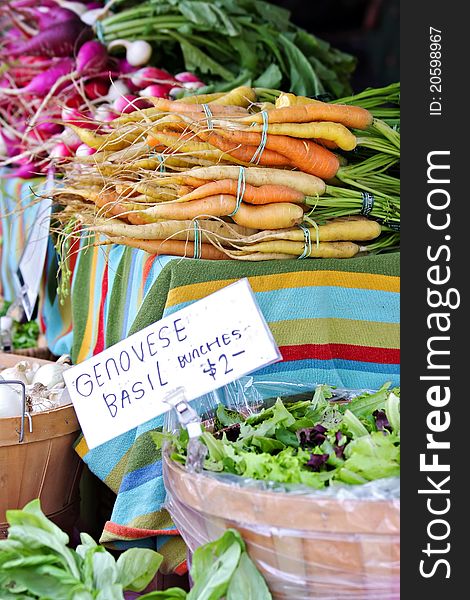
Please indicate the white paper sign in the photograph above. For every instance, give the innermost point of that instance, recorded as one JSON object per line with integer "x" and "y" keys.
{"x": 200, "y": 348}
{"x": 31, "y": 264}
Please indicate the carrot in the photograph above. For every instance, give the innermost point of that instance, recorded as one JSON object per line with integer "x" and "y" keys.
{"x": 244, "y": 153}
{"x": 302, "y": 182}
{"x": 109, "y": 202}
{"x": 176, "y": 230}
{"x": 321, "y": 250}
{"x": 143, "y": 114}
{"x": 196, "y": 109}
{"x": 268, "y": 216}
{"x": 357, "y": 229}
{"x": 326, "y": 131}
{"x": 171, "y": 248}
{"x": 116, "y": 140}
{"x": 264, "y": 194}
{"x": 192, "y": 145}
{"x": 354, "y": 117}
{"x": 239, "y": 96}
{"x": 303, "y": 154}
{"x": 286, "y": 99}
{"x": 202, "y": 98}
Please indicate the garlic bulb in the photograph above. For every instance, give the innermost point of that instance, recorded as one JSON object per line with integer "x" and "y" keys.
{"x": 10, "y": 400}
{"x": 50, "y": 374}
{"x": 19, "y": 372}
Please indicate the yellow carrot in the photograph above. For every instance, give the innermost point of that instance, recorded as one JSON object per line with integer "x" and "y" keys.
{"x": 335, "y": 132}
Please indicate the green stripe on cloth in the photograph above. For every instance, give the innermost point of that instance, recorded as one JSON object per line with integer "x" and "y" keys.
{"x": 80, "y": 294}
{"x": 118, "y": 299}
{"x": 336, "y": 331}
{"x": 180, "y": 273}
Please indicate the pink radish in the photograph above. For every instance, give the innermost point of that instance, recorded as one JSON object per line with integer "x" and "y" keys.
{"x": 186, "y": 77}
{"x": 60, "y": 39}
{"x": 92, "y": 57}
{"x": 105, "y": 113}
{"x": 129, "y": 103}
{"x": 118, "y": 88}
{"x": 193, "y": 85}
{"x": 148, "y": 75}
{"x": 96, "y": 88}
{"x": 157, "y": 90}
{"x": 84, "y": 150}
{"x": 42, "y": 83}
{"x": 60, "y": 150}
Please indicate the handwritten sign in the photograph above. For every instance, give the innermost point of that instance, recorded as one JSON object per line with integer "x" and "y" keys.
{"x": 31, "y": 265}
{"x": 200, "y": 348}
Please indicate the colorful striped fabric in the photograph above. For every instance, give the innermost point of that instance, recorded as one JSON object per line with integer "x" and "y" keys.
{"x": 335, "y": 321}
{"x": 17, "y": 213}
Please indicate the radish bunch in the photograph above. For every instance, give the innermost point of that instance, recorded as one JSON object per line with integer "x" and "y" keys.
{"x": 53, "y": 72}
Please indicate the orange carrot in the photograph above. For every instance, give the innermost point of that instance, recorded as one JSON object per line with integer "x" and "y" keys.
{"x": 172, "y": 248}
{"x": 244, "y": 152}
{"x": 354, "y": 117}
{"x": 264, "y": 194}
{"x": 267, "y": 216}
{"x": 197, "y": 109}
{"x": 303, "y": 154}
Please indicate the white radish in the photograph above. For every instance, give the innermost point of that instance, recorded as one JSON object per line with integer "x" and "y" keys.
{"x": 138, "y": 53}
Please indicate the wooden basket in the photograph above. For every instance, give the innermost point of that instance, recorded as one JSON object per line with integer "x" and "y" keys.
{"x": 44, "y": 465}
{"x": 305, "y": 547}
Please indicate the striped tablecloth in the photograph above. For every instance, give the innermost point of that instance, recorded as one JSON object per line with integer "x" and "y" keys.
{"x": 336, "y": 322}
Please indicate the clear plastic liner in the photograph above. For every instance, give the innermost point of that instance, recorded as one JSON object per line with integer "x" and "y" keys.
{"x": 341, "y": 543}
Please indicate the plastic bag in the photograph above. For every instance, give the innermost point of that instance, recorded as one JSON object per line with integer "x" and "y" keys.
{"x": 341, "y": 543}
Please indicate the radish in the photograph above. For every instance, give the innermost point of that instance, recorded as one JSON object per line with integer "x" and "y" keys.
{"x": 46, "y": 17}
{"x": 193, "y": 85}
{"x": 138, "y": 53}
{"x": 47, "y": 129}
{"x": 129, "y": 103}
{"x": 118, "y": 88}
{"x": 60, "y": 150}
{"x": 96, "y": 88}
{"x": 42, "y": 83}
{"x": 84, "y": 150}
{"x": 148, "y": 75}
{"x": 59, "y": 39}
{"x": 157, "y": 90}
{"x": 76, "y": 7}
{"x": 187, "y": 77}
{"x": 105, "y": 113}
{"x": 92, "y": 57}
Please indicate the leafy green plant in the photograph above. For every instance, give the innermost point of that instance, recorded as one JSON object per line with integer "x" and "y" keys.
{"x": 233, "y": 42}
{"x": 316, "y": 442}
{"x": 37, "y": 564}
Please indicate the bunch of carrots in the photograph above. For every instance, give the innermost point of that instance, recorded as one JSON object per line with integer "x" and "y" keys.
{"x": 251, "y": 174}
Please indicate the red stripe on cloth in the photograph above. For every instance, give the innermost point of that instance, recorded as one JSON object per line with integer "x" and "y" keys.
{"x": 147, "y": 266}
{"x": 99, "y": 346}
{"x": 182, "y": 568}
{"x": 343, "y": 351}
{"x": 135, "y": 532}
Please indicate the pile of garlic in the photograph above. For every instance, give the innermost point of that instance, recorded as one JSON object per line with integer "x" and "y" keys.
{"x": 45, "y": 387}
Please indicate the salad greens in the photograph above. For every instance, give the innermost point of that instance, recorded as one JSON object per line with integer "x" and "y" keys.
{"x": 35, "y": 563}
{"x": 232, "y": 43}
{"x": 24, "y": 335}
{"x": 315, "y": 442}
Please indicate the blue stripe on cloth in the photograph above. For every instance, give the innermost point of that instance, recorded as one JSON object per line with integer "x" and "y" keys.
{"x": 140, "y": 476}
{"x": 138, "y": 501}
{"x": 278, "y": 305}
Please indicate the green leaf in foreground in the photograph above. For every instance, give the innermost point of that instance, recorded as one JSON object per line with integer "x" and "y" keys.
{"x": 247, "y": 582}
{"x": 136, "y": 568}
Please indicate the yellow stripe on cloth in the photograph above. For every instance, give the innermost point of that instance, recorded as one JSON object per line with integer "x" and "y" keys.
{"x": 268, "y": 283}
